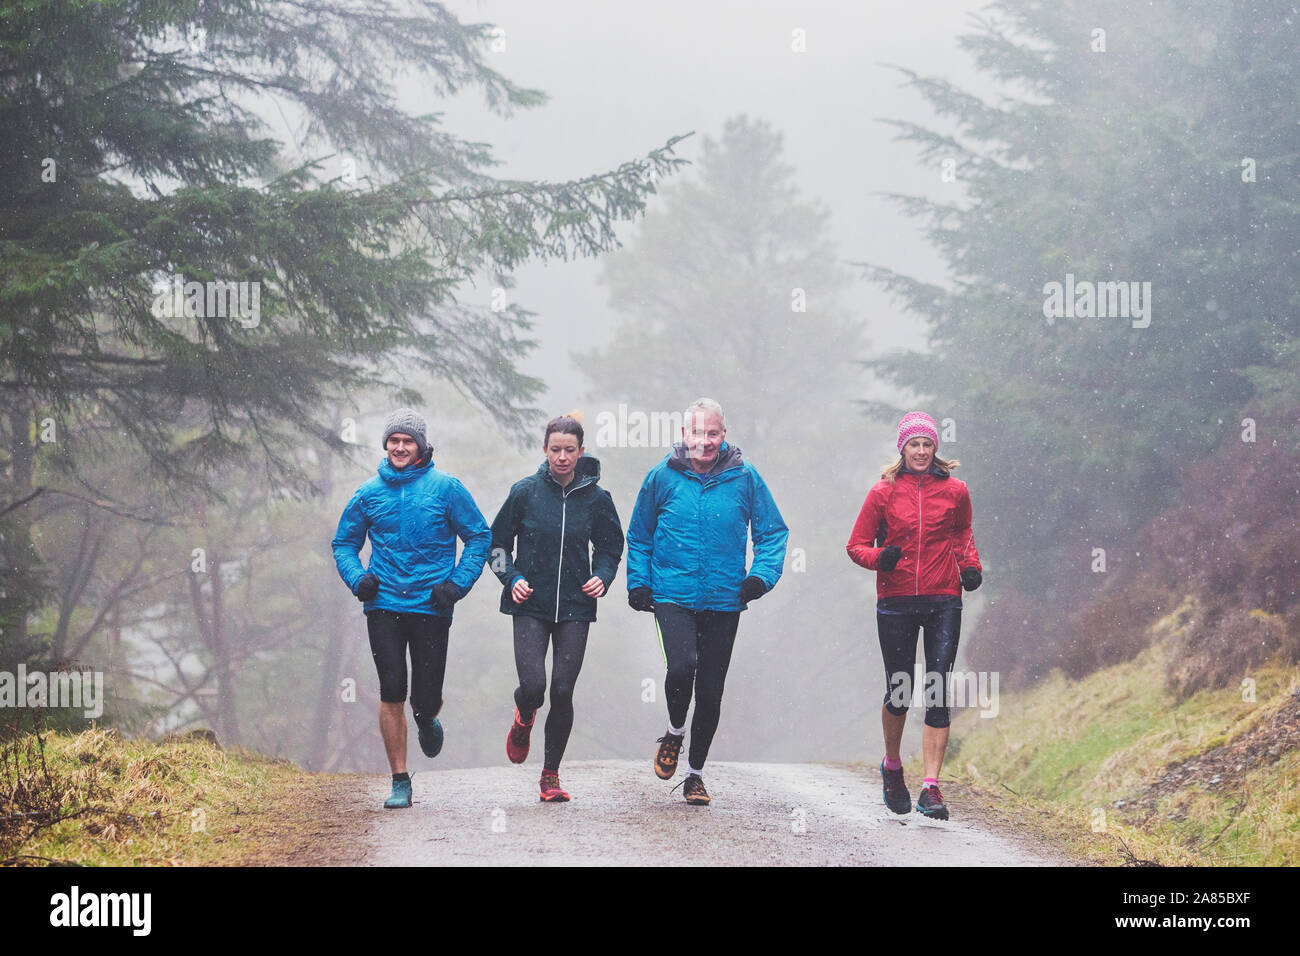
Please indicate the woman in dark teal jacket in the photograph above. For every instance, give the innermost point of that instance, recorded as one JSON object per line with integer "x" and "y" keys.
{"x": 569, "y": 543}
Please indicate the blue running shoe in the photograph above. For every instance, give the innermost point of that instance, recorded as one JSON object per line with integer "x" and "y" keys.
{"x": 400, "y": 798}
{"x": 430, "y": 731}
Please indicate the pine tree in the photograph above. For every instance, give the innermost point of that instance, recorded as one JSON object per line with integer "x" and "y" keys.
{"x": 1150, "y": 143}
{"x": 135, "y": 159}
{"x": 733, "y": 289}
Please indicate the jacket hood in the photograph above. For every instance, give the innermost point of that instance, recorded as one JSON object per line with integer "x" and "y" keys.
{"x": 409, "y": 473}
{"x": 585, "y": 472}
{"x": 729, "y": 456}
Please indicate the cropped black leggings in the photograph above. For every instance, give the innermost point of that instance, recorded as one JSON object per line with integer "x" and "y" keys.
{"x": 391, "y": 634}
{"x": 898, "y": 633}
{"x": 569, "y": 640}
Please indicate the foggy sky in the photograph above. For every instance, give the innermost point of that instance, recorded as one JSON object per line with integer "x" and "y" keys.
{"x": 623, "y": 78}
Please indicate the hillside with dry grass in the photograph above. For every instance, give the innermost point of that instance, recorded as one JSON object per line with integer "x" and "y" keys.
{"x": 100, "y": 799}
{"x": 1166, "y": 758}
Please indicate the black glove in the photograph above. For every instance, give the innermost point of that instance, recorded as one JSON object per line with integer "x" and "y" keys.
{"x": 445, "y": 594}
{"x": 367, "y": 588}
{"x": 641, "y": 599}
{"x": 888, "y": 559}
{"x": 971, "y": 578}
{"x": 751, "y": 589}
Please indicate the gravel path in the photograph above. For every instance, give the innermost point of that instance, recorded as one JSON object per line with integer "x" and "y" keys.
{"x": 621, "y": 814}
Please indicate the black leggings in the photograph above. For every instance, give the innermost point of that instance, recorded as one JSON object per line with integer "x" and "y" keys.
{"x": 898, "y": 634}
{"x": 569, "y": 639}
{"x": 426, "y": 635}
{"x": 697, "y": 650}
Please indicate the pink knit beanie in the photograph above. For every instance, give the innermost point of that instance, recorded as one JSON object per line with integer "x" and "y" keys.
{"x": 917, "y": 425}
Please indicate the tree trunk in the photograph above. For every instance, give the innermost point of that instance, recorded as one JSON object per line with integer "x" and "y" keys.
{"x": 327, "y": 693}
{"x": 341, "y": 619}
{"x": 16, "y": 550}
{"x": 228, "y": 725}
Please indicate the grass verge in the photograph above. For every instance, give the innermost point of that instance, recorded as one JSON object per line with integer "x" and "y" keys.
{"x": 1117, "y": 770}
{"x": 100, "y": 799}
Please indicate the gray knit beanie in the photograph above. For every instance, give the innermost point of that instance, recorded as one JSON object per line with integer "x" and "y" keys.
{"x": 408, "y": 422}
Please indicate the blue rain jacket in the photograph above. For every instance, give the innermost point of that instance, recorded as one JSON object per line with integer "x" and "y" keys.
{"x": 413, "y": 517}
{"x": 687, "y": 537}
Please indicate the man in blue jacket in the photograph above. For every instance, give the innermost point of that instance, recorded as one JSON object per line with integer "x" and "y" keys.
{"x": 686, "y": 546}
{"x": 413, "y": 514}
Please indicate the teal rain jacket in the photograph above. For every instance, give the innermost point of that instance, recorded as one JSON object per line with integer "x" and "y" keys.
{"x": 413, "y": 517}
{"x": 687, "y": 537}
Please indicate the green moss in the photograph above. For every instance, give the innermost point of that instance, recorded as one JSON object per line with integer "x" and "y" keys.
{"x": 1100, "y": 742}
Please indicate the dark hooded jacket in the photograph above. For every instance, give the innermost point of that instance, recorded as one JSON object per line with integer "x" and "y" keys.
{"x": 556, "y": 538}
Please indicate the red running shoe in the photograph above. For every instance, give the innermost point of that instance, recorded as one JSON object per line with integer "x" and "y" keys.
{"x": 551, "y": 791}
{"x": 517, "y": 739}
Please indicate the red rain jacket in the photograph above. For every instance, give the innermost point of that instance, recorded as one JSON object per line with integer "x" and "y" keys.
{"x": 928, "y": 516}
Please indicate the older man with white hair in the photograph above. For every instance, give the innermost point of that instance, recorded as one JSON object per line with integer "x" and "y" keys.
{"x": 686, "y": 547}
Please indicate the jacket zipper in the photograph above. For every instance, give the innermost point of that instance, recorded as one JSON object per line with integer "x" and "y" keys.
{"x": 699, "y": 524}
{"x": 920, "y": 532}
{"x": 559, "y": 568}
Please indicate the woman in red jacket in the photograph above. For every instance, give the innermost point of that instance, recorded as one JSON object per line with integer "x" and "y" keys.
{"x": 914, "y": 532}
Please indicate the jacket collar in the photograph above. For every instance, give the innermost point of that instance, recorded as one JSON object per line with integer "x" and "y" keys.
{"x": 934, "y": 470}
{"x": 409, "y": 473}
{"x": 585, "y": 472}
{"x": 729, "y": 457}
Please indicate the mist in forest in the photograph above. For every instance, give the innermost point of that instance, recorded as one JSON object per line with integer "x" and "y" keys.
{"x": 1066, "y": 234}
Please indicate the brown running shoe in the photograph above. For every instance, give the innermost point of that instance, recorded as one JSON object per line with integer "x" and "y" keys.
{"x": 694, "y": 792}
{"x": 670, "y": 745}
